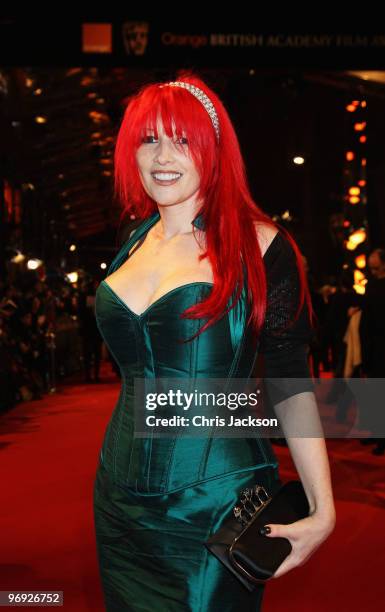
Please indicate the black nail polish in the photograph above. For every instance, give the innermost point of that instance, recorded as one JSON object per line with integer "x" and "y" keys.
{"x": 264, "y": 530}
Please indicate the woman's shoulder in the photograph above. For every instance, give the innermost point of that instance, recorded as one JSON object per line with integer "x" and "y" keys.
{"x": 265, "y": 234}
{"x": 272, "y": 241}
{"x": 277, "y": 251}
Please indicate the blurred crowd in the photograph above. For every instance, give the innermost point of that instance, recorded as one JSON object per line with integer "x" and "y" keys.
{"x": 46, "y": 335}
{"x": 349, "y": 339}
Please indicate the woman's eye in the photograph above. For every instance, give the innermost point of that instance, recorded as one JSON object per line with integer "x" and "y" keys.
{"x": 148, "y": 139}
{"x": 182, "y": 141}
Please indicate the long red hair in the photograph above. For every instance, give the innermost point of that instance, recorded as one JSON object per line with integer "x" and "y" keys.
{"x": 229, "y": 212}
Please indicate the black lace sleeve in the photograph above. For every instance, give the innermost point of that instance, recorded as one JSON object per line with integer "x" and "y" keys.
{"x": 284, "y": 343}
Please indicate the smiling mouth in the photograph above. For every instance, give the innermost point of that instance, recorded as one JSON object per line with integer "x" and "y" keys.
{"x": 166, "y": 178}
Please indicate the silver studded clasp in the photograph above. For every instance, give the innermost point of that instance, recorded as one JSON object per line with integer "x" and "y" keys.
{"x": 251, "y": 500}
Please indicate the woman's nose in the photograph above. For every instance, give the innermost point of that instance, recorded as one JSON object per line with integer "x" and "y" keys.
{"x": 163, "y": 151}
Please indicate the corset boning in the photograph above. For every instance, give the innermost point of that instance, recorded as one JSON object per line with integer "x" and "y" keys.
{"x": 147, "y": 347}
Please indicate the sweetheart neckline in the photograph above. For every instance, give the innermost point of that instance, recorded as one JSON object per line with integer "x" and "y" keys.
{"x": 162, "y": 297}
{"x": 159, "y": 299}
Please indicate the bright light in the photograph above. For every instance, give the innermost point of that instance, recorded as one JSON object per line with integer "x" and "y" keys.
{"x": 359, "y": 282}
{"x": 299, "y": 160}
{"x": 286, "y": 215}
{"x": 33, "y": 264}
{"x": 354, "y": 200}
{"x": 103, "y": 266}
{"x": 349, "y": 155}
{"x": 362, "y": 138}
{"x": 72, "y": 277}
{"x": 350, "y": 108}
{"x": 358, "y": 276}
{"x": 360, "y": 289}
{"x": 354, "y": 191}
{"x": 359, "y": 127}
{"x": 40, "y": 119}
{"x": 360, "y": 260}
{"x": 355, "y": 239}
{"x": 18, "y": 258}
{"x": 38, "y": 92}
{"x": 73, "y": 247}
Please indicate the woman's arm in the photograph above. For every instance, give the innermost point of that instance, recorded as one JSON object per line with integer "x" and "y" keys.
{"x": 284, "y": 346}
{"x": 309, "y": 453}
{"x": 311, "y": 460}
{"x": 298, "y": 416}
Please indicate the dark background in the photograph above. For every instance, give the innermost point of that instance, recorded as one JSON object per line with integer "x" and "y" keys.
{"x": 283, "y": 102}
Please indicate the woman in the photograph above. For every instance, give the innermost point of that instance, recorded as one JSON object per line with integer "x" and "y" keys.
{"x": 201, "y": 244}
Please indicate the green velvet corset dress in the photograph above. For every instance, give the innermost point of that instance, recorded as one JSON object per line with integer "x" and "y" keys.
{"x": 156, "y": 500}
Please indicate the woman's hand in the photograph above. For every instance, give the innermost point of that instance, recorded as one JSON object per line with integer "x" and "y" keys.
{"x": 305, "y": 536}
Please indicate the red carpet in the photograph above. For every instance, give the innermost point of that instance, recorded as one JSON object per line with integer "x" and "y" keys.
{"x": 47, "y": 465}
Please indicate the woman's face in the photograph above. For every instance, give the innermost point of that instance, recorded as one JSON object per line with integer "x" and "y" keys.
{"x": 167, "y": 172}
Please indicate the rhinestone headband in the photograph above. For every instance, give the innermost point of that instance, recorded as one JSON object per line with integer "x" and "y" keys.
{"x": 203, "y": 99}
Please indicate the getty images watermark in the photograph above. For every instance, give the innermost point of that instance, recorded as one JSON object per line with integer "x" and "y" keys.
{"x": 279, "y": 407}
{"x": 190, "y": 401}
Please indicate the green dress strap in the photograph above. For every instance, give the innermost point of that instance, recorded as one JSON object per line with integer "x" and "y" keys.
{"x": 135, "y": 236}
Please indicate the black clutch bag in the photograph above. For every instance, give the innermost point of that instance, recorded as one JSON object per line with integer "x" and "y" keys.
{"x": 253, "y": 558}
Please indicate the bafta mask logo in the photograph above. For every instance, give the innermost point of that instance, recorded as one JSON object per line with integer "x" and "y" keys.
{"x": 135, "y": 37}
